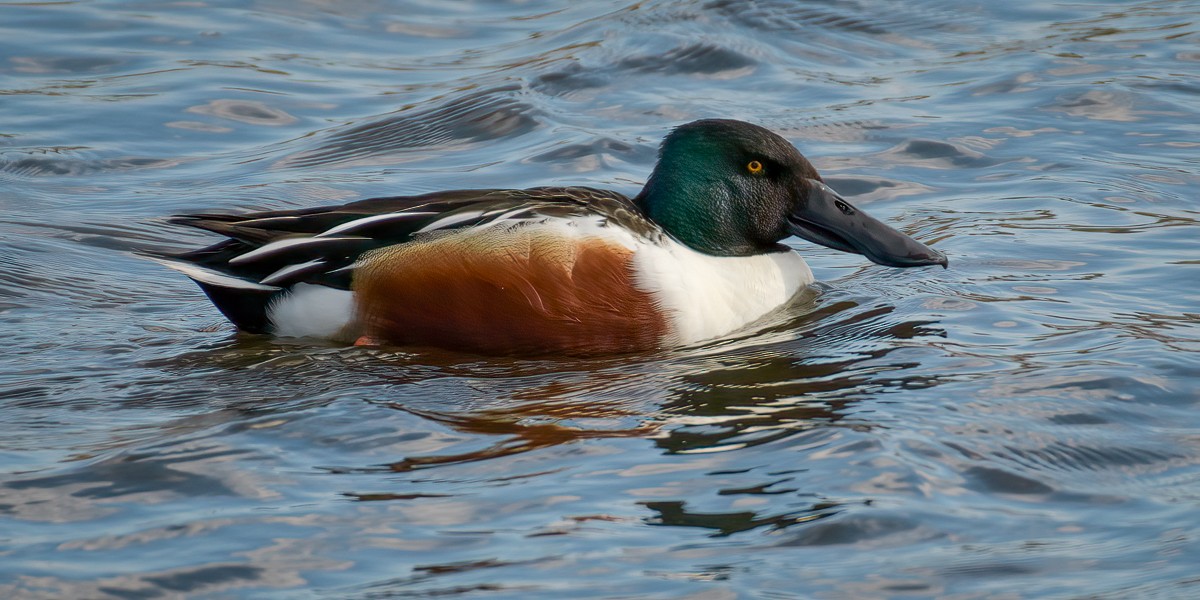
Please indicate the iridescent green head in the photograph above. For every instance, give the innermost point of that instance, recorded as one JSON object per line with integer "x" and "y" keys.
{"x": 730, "y": 188}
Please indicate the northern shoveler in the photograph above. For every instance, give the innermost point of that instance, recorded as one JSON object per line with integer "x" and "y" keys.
{"x": 570, "y": 270}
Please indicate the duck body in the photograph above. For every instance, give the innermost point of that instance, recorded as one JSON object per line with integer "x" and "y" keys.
{"x": 549, "y": 270}
{"x": 557, "y": 270}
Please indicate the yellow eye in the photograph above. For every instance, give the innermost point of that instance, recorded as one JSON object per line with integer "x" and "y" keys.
{"x": 754, "y": 167}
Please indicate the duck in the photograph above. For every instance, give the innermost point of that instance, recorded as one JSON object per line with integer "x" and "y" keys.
{"x": 573, "y": 271}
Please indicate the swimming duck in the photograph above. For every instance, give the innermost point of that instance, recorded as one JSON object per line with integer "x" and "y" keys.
{"x": 548, "y": 270}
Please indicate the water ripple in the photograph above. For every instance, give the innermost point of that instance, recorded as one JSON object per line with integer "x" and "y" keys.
{"x": 1022, "y": 421}
{"x": 475, "y": 117}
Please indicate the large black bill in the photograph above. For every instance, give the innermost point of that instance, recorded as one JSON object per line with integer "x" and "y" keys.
{"x": 827, "y": 219}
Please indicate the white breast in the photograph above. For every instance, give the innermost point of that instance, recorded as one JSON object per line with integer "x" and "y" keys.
{"x": 706, "y": 297}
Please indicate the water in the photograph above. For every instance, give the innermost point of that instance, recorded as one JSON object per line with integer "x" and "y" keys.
{"x": 1023, "y": 424}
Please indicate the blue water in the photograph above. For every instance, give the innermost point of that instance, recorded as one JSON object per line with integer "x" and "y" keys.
{"x": 1024, "y": 424}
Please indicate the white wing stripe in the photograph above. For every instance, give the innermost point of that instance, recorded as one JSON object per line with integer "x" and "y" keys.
{"x": 397, "y": 216}
{"x": 288, "y": 244}
{"x": 452, "y": 220}
{"x": 211, "y": 277}
{"x": 289, "y": 270}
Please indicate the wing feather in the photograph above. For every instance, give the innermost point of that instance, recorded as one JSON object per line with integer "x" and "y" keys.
{"x": 267, "y": 252}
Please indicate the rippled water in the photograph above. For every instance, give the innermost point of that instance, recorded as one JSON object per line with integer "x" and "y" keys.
{"x": 1023, "y": 424}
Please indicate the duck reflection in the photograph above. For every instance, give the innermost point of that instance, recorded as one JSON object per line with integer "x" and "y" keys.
{"x": 768, "y": 393}
{"x": 816, "y": 361}
{"x": 676, "y": 514}
{"x": 471, "y": 421}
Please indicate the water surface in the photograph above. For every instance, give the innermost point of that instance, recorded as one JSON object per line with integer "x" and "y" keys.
{"x": 1023, "y": 424}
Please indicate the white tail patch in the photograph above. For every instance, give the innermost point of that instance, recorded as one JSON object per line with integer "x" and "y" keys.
{"x": 310, "y": 310}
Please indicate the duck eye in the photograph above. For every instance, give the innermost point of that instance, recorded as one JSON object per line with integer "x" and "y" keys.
{"x": 754, "y": 167}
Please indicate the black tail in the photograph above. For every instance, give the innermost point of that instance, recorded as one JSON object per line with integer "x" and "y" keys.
{"x": 243, "y": 301}
{"x": 245, "y": 308}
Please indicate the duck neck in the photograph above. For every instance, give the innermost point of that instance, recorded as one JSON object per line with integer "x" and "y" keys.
{"x": 694, "y": 211}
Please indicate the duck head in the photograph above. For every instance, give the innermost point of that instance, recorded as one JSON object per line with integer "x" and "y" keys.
{"x": 730, "y": 188}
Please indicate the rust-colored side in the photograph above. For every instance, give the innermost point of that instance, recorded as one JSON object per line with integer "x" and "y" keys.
{"x": 509, "y": 292}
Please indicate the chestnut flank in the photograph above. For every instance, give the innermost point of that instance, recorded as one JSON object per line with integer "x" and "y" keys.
{"x": 525, "y": 290}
